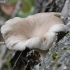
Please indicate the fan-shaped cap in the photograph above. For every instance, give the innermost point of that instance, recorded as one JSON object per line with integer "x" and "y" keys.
{"x": 35, "y": 31}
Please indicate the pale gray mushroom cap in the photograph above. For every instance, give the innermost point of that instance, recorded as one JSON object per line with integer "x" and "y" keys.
{"x": 35, "y": 31}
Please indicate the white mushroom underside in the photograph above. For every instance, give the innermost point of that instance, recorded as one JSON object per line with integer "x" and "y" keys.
{"x": 36, "y": 31}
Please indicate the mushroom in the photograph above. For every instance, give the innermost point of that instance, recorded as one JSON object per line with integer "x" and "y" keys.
{"x": 36, "y": 32}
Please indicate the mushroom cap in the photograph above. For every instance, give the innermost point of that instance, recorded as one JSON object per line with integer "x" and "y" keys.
{"x": 35, "y": 31}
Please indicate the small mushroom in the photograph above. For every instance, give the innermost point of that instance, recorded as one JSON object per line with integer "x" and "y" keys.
{"x": 37, "y": 32}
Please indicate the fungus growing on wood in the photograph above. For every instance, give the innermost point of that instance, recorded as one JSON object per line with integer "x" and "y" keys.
{"x": 36, "y": 32}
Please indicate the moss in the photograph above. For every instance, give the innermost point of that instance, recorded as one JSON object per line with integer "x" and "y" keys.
{"x": 58, "y": 64}
{"x": 65, "y": 48}
{"x": 39, "y": 64}
{"x": 68, "y": 48}
{"x": 69, "y": 34}
{"x": 54, "y": 55}
{"x": 51, "y": 64}
{"x": 67, "y": 69}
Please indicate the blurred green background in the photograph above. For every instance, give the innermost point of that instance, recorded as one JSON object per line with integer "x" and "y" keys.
{"x": 26, "y": 8}
{"x": 10, "y": 9}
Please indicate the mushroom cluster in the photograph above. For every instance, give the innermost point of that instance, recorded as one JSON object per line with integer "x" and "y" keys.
{"x": 36, "y": 32}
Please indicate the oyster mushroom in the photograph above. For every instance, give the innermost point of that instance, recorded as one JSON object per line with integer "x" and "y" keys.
{"x": 37, "y": 32}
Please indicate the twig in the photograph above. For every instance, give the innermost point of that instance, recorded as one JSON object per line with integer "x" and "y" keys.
{"x": 16, "y": 8}
{"x": 17, "y": 60}
{"x": 65, "y": 9}
{"x": 3, "y": 1}
{"x": 2, "y": 43}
